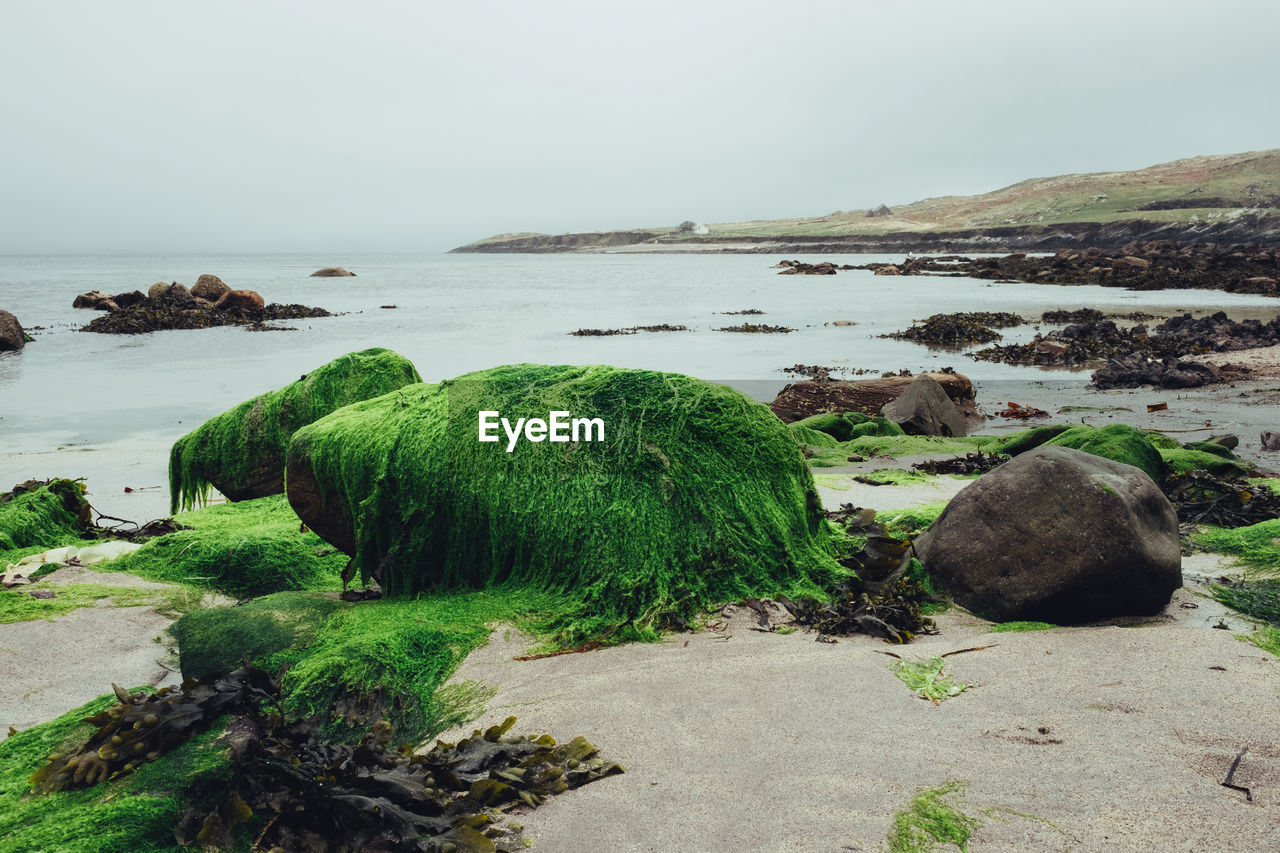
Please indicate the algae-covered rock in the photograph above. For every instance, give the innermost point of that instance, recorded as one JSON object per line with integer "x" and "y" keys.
{"x": 694, "y": 494}
{"x": 241, "y": 451}
{"x": 844, "y": 426}
{"x": 46, "y": 514}
{"x": 1116, "y": 442}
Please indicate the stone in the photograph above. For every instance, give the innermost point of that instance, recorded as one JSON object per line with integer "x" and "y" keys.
{"x": 1270, "y": 440}
{"x": 12, "y": 337}
{"x": 1057, "y": 535}
{"x": 240, "y": 300}
{"x": 129, "y": 299}
{"x": 331, "y": 272}
{"x": 94, "y": 299}
{"x": 799, "y": 400}
{"x": 209, "y": 287}
{"x": 888, "y": 269}
{"x": 160, "y": 288}
{"x": 925, "y": 409}
{"x": 179, "y": 293}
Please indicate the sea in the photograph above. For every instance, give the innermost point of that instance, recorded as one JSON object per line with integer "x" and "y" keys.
{"x": 76, "y": 403}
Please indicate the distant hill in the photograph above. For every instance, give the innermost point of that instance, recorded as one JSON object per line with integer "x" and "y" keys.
{"x": 1221, "y": 198}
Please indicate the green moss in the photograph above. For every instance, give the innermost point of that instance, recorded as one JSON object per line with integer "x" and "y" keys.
{"x": 352, "y": 663}
{"x": 916, "y": 445}
{"x": 1267, "y": 639}
{"x": 844, "y": 426}
{"x": 244, "y": 549}
{"x": 811, "y": 438}
{"x": 1017, "y": 627}
{"x": 1185, "y": 459}
{"x": 1272, "y": 483}
{"x": 1259, "y": 599}
{"x": 1257, "y": 545}
{"x": 236, "y": 447}
{"x": 697, "y": 494}
{"x": 1117, "y": 442}
{"x": 931, "y": 819}
{"x": 906, "y": 523}
{"x": 138, "y": 812}
{"x": 1027, "y": 439}
{"x": 50, "y": 515}
{"x": 1160, "y": 441}
{"x": 18, "y": 605}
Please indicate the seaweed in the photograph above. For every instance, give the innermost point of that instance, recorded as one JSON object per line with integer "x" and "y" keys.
{"x": 697, "y": 495}
{"x": 959, "y": 328}
{"x": 299, "y": 791}
{"x": 926, "y": 679}
{"x": 241, "y": 451}
{"x": 1259, "y": 599}
{"x": 930, "y": 819}
{"x": 37, "y": 602}
{"x": 1257, "y": 545}
{"x": 846, "y": 426}
{"x": 43, "y": 514}
{"x": 1020, "y": 627}
{"x": 756, "y": 329}
{"x": 243, "y": 549}
{"x": 1203, "y": 498}
{"x": 977, "y": 462}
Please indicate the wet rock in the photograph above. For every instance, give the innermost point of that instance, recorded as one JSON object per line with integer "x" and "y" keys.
{"x": 1270, "y": 440}
{"x": 95, "y": 300}
{"x": 1132, "y": 371}
{"x": 331, "y": 272}
{"x": 797, "y": 268}
{"x": 12, "y": 337}
{"x": 1057, "y": 535}
{"x": 240, "y": 301}
{"x": 925, "y": 409}
{"x": 129, "y": 299}
{"x": 959, "y": 328}
{"x": 887, "y": 269}
{"x": 209, "y": 287}
{"x": 160, "y": 288}
{"x": 802, "y": 399}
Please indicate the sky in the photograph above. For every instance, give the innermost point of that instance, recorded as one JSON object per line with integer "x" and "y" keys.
{"x": 280, "y": 126}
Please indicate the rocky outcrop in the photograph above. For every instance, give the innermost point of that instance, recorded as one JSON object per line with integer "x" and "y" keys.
{"x": 801, "y": 399}
{"x": 801, "y": 268}
{"x": 12, "y": 337}
{"x": 95, "y": 300}
{"x": 1057, "y": 535}
{"x": 1131, "y": 371}
{"x": 240, "y": 300}
{"x": 209, "y": 287}
{"x": 331, "y": 272}
{"x": 925, "y": 409}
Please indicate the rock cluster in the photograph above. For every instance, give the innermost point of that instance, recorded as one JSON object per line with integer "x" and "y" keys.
{"x": 801, "y": 268}
{"x": 173, "y": 306}
{"x": 800, "y": 400}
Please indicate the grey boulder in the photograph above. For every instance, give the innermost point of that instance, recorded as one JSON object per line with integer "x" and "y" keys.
{"x": 1057, "y": 535}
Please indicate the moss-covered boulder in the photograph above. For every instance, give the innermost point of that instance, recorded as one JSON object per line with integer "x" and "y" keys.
{"x": 845, "y": 426}
{"x": 43, "y": 514}
{"x": 1116, "y": 442}
{"x": 694, "y": 493}
{"x": 241, "y": 451}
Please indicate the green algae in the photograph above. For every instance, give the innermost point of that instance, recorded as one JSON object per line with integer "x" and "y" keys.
{"x": 696, "y": 495}
{"x": 1267, "y": 639}
{"x": 1027, "y": 439}
{"x": 926, "y": 678}
{"x": 246, "y": 444}
{"x": 1117, "y": 442}
{"x": 1256, "y": 545}
{"x": 1020, "y": 627}
{"x": 932, "y": 818}
{"x": 242, "y": 549}
{"x": 351, "y": 664}
{"x": 1183, "y": 459}
{"x": 845, "y": 426}
{"x": 37, "y": 516}
{"x": 911, "y": 521}
{"x": 138, "y": 812}
{"x": 18, "y": 605}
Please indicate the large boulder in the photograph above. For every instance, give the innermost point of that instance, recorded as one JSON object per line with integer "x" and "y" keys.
{"x": 209, "y": 287}
{"x": 925, "y": 409}
{"x": 696, "y": 494}
{"x": 1057, "y": 535}
{"x": 241, "y": 452}
{"x": 12, "y": 337}
{"x": 160, "y": 288}
{"x": 800, "y": 400}
{"x": 331, "y": 272}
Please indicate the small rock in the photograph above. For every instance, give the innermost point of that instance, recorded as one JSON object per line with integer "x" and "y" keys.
{"x": 12, "y": 337}
{"x": 209, "y": 287}
{"x": 240, "y": 300}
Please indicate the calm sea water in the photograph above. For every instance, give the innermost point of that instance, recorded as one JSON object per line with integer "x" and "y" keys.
{"x": 458, "y": 313}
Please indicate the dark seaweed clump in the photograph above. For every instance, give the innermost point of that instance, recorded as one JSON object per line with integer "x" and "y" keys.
{"x": 756, "y": 329}
{"x": 629, "y": 330}
{"x": 960, "y": 328}
{"x": 155, "y": 315}
{"x": 296, "y": 791}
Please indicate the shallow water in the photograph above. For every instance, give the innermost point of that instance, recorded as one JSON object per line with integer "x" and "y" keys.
{"x": 107, "y": 407}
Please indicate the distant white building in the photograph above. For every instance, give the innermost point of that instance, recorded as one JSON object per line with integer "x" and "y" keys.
{"x": 701, "y": 229}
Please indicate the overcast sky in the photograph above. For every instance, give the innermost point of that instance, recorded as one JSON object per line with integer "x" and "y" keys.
{"x": 417, "y": 126}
